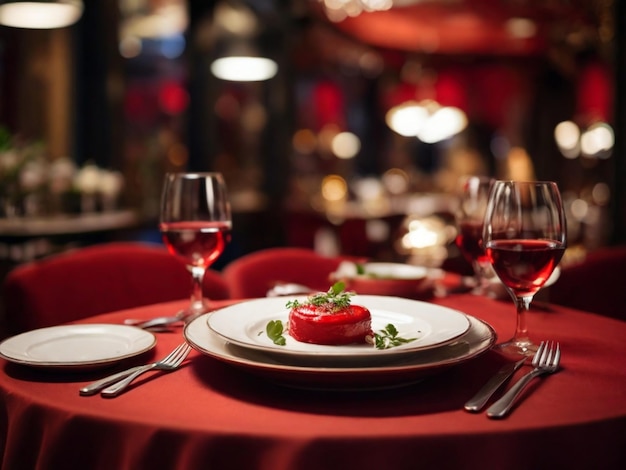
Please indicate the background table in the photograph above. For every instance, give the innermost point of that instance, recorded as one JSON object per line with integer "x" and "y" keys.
{"x": 26, "y": 238}
{"x": 210, "y": 415}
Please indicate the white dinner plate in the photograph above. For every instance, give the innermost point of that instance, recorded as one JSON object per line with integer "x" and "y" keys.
{"x": 77, "y": 346}
{"x": 479, "y": 338}
{"x": 244, "y": 324}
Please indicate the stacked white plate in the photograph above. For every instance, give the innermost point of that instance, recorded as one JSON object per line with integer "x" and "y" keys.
{"x": 443, "y": 338}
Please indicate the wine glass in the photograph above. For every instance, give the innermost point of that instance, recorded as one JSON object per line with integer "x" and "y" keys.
{"x": 195, "y": 224}
{"x": 470, "y": 215}
{"x": 524, "y": 236}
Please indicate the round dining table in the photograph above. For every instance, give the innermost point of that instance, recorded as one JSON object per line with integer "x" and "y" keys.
{"x": 212, "y": 414}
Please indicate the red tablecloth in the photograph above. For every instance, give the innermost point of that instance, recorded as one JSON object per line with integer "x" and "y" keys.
{"x": 211, "y": 415}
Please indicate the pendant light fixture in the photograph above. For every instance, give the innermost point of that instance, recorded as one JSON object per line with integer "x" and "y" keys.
{"x": 41, "y": 14}
{"x": 243, "y": 64}
{"x": 238, "y": 49}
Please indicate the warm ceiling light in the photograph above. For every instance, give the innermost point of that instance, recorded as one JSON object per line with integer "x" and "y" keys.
{"x": 426, "y": 120}
{"x": 567, "y": 136}
{"x": 407, "y": 118}
{"x": 334, "y": 188}
{"x": 244, "y": 68}
{"x": 41, "y": 14}
{"x": 346, "y": 145}
{"x": 597, "y": 141}
{"x": 443, "y": 123}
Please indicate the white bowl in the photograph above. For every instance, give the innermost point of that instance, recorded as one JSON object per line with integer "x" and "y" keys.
{"x": 394, "y": 279}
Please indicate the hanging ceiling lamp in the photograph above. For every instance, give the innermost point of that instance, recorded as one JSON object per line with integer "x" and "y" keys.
{"x": 244, "y": 67}
{"x": 239, "y": 60}
{"x": 241, "y": 37}
{"x": 43, "y": 14}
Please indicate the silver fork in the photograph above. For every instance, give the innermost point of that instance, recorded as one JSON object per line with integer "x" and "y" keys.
{"x": 545, "y": 361}
{"x": 122, "y": 379}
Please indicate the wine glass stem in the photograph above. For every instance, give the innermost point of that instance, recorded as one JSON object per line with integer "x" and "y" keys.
{"x": 522, "y": 304}
{"x": 197, "y": 297}
{"x": 481, "y": 278}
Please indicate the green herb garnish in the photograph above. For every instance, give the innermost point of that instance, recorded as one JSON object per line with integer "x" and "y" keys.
{"x": 333, "y": 300}
{"x": 388, "y": 338}
{"x": 274, "y": 330}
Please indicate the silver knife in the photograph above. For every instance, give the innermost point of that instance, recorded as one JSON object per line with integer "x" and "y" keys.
{"x": 479, "y": 400}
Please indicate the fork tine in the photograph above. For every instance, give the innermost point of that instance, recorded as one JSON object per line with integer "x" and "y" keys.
{"x": 557, "y": 356}
{"x": 171, "y": 355}
{"x": 551, "y": 356}
{"x": 539, "y": 354}
{"x": 546, "y": 358}
{"x": 174, "y": 355}
{"x": 183, "y": 351}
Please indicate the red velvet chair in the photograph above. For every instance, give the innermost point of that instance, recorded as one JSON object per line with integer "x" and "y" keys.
{"x": 597, "y": 284}
{"x": 97, "y": 279}
{"x": 253, "y": 274}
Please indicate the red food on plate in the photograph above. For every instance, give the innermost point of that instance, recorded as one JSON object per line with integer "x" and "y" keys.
{"x": 329, "y": 319}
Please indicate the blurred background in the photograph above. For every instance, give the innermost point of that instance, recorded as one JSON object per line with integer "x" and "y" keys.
{"x": 351, "y": 140}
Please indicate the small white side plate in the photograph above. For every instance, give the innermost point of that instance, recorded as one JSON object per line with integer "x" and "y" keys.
{"x": 77, "y": 346}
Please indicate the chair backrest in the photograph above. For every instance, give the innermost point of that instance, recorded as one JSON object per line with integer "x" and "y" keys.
{"x": 596, "y": 284}
{"x": 97, "y": 279}
{"x": 253, "y": 274}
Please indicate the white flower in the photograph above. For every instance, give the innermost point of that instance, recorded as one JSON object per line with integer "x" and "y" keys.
{"x": 61, "y": 175}
{"x": 33, "y": 175}
{"x": 111, "y": 183}
{"x": 87, "y": 179}
{"x": 62, "y": 168}
{"x": 9, "y": 159}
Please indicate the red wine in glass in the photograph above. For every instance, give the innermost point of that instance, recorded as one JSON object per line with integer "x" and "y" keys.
{"x": 473, "y": 196}
{"x": 198, "y": 243}
{"x": 524, "y": 235}
{"x": 525, "y": 265}
{"x": 469, "y": 241}
{"x": 195, "y": 225}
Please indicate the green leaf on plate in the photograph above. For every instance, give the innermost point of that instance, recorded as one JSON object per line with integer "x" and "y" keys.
{"x": 274, "y": 330}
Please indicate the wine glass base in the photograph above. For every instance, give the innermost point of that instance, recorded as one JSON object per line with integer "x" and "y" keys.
{"x": 478, "y": 286}
{"x": 194, "y": 310}
{"x": 479, "y": 290}
{"x": 516, "y": 348}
